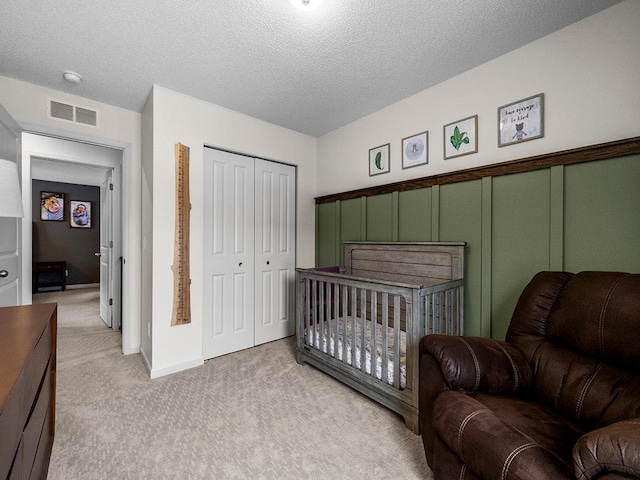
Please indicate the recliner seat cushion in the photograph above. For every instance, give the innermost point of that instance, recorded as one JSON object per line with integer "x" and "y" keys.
{"x": 505, "y": 437}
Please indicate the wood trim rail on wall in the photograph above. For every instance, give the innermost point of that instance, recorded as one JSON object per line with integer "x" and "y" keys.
{"x": 602, "y": 151}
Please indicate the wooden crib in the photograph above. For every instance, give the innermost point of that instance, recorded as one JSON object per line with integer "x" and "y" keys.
{"x": 363, "y": 326}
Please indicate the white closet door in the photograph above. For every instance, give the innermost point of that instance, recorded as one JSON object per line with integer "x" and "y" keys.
{"x": 228, "y": 253}
{"x": 275, "y": 250}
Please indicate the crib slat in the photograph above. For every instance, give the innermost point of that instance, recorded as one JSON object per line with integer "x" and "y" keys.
{"x": 345, "y": 303}
{"x": 374, "y": 331}
{"x": 363, "y": 323}
{"x": 314, "y": 307}
{"x": 307, "y": 312}
{"x": 396, "y": 340}
{"x": 385, "y": 338}
{"x": 328, "y": 315}
{"x": 354, "y": 313}
{"x": 448, "y": 293}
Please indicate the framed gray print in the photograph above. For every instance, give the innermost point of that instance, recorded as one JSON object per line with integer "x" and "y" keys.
{"x": 415, "y": 150}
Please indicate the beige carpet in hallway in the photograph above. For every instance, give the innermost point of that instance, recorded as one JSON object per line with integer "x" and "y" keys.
{"x": 254, "y": 414}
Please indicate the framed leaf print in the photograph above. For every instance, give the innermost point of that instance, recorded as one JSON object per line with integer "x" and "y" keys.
{"x": 379, "y": 160}
{"x": 461, "y": 137}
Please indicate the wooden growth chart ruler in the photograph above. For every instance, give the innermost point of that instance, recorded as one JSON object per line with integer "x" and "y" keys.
{"x": 181, "y": 273}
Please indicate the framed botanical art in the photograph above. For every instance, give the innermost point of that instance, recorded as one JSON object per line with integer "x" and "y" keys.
{"x": 51, "y": 206}
{"x": 521, "y": 121}
{"x": 80, "y": 214}
{"x": 379, "y": 160}
{"x": 461, "y": 137}
{"x": 415, "y": 150}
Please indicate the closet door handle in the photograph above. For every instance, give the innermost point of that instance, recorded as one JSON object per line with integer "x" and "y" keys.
{"x": 4, "y": 274}
{"x": 240, "y": 264}
{"x": 268, "y": 262}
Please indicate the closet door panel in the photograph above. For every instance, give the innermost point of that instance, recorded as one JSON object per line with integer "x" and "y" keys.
{"x": 228, "y": 253}
{"x": 275, "y": 250}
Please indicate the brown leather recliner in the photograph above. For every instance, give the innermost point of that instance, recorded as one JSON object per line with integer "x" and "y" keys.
{"x": 560, "y": 398}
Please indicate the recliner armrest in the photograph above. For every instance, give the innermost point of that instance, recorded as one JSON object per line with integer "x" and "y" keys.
{"x": 611, "y": 449}
{"x": 472, "y": 364}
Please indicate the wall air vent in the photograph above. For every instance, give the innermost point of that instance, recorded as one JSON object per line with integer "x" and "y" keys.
{"x": 62, "y": 111}
{"x": 73, "y": 113}
{"x": 86, "y": 116}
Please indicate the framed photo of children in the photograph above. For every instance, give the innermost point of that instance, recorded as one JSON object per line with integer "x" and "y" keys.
{"x": 80, "y": 214}
{"x": 51, "y": 206}
{"x": 521, "y": 121}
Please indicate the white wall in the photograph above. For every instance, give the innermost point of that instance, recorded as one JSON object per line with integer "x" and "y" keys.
{"x": 118, "y": 128}
{"x": 194, "y": 123}
{"x": 588, "y": 71}
{"x": 146, "y": 347}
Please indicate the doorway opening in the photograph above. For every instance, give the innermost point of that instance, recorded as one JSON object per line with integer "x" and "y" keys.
{"x": 87, "y": 237}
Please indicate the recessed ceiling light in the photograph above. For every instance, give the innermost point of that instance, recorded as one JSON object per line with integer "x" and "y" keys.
{"x": 306, "y": 4}
{"x": 72, "y": 77}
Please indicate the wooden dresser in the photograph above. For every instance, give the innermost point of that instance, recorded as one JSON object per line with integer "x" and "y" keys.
{"x": 27, "y": 390}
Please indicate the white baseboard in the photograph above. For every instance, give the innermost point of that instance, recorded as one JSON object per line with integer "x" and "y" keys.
{"x": 178, "y": 367}
{"x": 83, "y": 285}
{"x": 146, "y": 360}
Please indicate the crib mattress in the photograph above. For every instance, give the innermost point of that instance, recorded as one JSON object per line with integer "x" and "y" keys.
{"x": 327, "y": 344}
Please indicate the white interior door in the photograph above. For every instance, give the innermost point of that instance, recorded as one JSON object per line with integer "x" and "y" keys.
{"x": 10, "y": 276}
{"x": 9, "y": 262}
{"x": 106, "y": 246}
{"x": 228, "y": 253}
{"x": 275, "y": 250}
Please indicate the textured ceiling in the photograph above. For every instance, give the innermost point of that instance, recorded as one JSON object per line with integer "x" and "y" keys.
{"x": 309, "y": 71}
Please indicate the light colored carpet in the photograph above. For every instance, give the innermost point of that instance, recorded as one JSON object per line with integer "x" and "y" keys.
{"x": 254, "y": 414}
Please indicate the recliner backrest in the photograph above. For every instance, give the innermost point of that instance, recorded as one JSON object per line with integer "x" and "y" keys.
{"x": 581, "y": 336}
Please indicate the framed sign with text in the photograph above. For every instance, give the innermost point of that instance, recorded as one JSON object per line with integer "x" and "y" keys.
{"x": 521, "y": 121}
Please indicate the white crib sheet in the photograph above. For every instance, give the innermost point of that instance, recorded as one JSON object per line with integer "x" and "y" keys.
{"x": 315, "y": 334}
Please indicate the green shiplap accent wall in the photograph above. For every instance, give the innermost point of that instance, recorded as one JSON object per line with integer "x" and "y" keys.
{"x": 461, "y": 221}
{"x": 556, "y": 219}
{"x": 350, "y": 223}
{"x": 380, "y": 218}
{"x": 583, "y": 216}
{"x": 519, "y": 241}
{"x": 414, "y": 215}
{"x": 602, "y": 215}
{"x": 326, "y": 234}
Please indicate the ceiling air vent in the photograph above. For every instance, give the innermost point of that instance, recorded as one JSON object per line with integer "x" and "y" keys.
{"x": 72, "y": 113}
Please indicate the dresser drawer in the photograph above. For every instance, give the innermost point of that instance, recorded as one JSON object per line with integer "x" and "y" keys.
{"x": 35, "y": 369}
{"x": 34, "y": 427}
{"x": 27, "y": 390}
{"x": 11, "y": 424}
{"x": 16, "y": 470}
